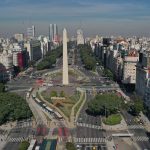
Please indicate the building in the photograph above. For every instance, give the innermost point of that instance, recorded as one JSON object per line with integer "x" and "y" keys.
{"x": 129, "y": 69}
{"x": 34, "y": 49}
{"x": 6, "y": 59}
{"x": 142, "y": 73}
{"x": 51, "y": 32}
{"x": 147, "y": 92}
{"x": 55, "y": 35}
{"x": 19, "y": 37}
{"x": 45, "y": 45}
{"x": 80, "y": 38}
{"x": 31, "y": 32}
{"x": 4, "y": 76}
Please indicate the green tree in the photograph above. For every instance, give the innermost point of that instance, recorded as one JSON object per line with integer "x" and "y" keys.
{"x": 23, "y": 145}
{"x": 70, "y": 146}
{"x": 108, "y": 74}
{"x": 137, "y": 107}
{"x": 87, "y": 56}
{"x": 2, "y": 87}
{"x": 13, "y": 107}
{"x": 50, "y": 59}
{"x": 53, "y": 94}
{"x": 105, "y": 104}
{"x": 62, "y": 94}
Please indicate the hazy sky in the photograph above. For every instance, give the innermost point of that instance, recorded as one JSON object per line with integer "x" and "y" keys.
{"x": 104, "y": 17}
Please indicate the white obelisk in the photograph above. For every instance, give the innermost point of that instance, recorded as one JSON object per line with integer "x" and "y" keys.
{"x": 65, "y": 59}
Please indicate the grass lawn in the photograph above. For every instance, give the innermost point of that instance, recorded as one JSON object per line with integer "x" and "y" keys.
{"x": 113, "y": 119}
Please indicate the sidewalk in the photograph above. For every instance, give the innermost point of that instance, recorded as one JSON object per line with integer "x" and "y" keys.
{"x": 6, "y": 127}
{"x": 110, "y": 145}
{"x": 146, "y": 121}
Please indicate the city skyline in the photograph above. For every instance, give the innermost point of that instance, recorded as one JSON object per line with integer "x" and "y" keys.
{"x": 118, "y": 17}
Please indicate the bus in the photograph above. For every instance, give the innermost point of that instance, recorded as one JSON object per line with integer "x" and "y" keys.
{"x": 37, "y": 100}
{"x": 28, "y": 95}
{"x": 49, "y": 110}
{"x": 30, "y": 90}
{"x": 33, "y": 96}
{"x": 122, "y": 134}
{"x": 57, "y": 115}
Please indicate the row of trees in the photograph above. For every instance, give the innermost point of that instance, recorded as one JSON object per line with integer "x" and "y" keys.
{"x": 12, "y": 107}
{"x": 136, "y": 106}
{"x": 87, "y": 56}
{"x": 50, "y": 59}
{"x": 105, "y": 104}
{"x": 108, "y": 73}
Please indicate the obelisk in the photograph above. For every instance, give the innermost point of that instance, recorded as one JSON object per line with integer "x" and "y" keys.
{"x": 65, "y": 59}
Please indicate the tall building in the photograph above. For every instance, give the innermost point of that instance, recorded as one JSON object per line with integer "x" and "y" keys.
{"x": 34, "y": 49}
{"x": 55, "y": 31}
{"x": 51, "y": 32}
{"x": 80, "y": 39}
{"x": 31, "y": 32}
{"x": 142, "y": 73}
{"x": 147, "y": 91}
{"x": 65, "y": 59}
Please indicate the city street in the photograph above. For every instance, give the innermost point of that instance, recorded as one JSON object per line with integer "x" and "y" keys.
{"x": 22, "y": 131}
{"x": 89, "y": 131}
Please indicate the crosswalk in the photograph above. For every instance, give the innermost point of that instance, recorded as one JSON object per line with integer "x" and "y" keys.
{"x": 141, "y": 138}
{"x": 89, "y": 140}
{"x": 135, "y": 127}
{"x": 89, "y": 125}
{"x": 26, "y": 124}
{"x": 18, "y": 139}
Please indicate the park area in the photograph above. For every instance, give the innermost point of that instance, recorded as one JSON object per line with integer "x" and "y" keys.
{"x": 64, "y": 98}
{"x": 107, "y": 105}
{"x": 113, "y": 119}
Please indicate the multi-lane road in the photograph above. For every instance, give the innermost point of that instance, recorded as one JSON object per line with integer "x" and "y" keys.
{"x": 89, "y": 133}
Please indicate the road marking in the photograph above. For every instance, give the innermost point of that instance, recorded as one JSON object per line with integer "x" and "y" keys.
{"x": 141, "y": 138}
{"x": 135, "y": 127}
{"x": 90, "y": 140}
{"x": 89, "y": 125}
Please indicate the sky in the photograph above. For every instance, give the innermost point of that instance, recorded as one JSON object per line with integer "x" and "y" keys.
{"x": 103, "y": 17}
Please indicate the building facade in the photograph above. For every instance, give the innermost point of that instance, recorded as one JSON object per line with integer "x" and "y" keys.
{"x": 34, "y": 49}
{"x": 80, "y": 38}
{"x": 129, "y": 70}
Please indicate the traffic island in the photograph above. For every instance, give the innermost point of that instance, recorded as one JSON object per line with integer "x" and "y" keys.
{"x": 113, "y": 119}
{"x": 114, "y": 122}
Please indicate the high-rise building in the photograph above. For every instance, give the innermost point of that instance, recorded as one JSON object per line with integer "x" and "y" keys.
{"x": 80, "y": 39}
{"x": 51, "y": 32}
{"x": 34, "y": 49}
{"x": 31, "y": 32}
{"x": 55, "y": 31}
{"x": 142, "y": 73}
